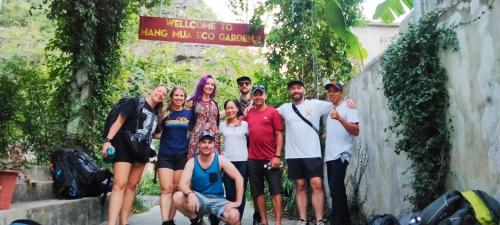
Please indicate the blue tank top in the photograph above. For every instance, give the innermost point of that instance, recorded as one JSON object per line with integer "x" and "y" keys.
{"x": 207, "y": 181}
{"x": 174, "y": 138}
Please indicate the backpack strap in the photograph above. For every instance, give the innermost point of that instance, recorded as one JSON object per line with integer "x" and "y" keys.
{"x": 481, "y": 211}
{"x": 305, "y": 120}
{"x": 108, "y": 184}
{"x": 142, "y": 101}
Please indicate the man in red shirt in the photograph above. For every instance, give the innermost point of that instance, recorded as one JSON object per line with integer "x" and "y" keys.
{"x": 264, "y": 152}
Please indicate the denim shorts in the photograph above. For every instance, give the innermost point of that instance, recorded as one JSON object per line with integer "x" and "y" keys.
{"x": 211, "y": 204}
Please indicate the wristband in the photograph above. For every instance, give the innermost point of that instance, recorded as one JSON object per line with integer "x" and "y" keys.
{"x": 108, "y": 140}
{"x": 277, "y": 156}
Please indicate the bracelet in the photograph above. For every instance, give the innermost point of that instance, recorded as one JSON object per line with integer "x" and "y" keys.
{"x": 277, "y": 156}
{"x": 108, "y": 140}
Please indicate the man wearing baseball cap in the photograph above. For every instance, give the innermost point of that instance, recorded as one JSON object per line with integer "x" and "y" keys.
{"x": 342, "y": 126}
{"x": 200, "y": 187}
{"x": 303, "y": 149}
{"x": 264, "y": 153}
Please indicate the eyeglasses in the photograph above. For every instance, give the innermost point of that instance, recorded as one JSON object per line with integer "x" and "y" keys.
{"x": 244, "y": 83}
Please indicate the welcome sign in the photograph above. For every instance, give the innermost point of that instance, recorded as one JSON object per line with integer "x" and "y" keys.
{"x": 198, "y": 31}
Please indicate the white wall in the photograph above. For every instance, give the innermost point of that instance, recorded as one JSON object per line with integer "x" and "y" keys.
{"x": 375, "y": 37}
{"x": 474, "y": 89}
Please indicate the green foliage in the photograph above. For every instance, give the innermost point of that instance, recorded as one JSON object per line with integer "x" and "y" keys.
{"x": 225, "y": 63}
{"x": 138, "y": 205}
{"x": 303, "y": 45}
{"x": 9, "y": 94}
{"x": 340, "y": 22}
{"x": 86, "y": 63}
{"x": 28, "y": 108}
{"x": 388, "y": 10}
{"x": 147, "y": 186}
{"x": 23, "y": 32}
{"x": 414, "y": 83}
{"x": 14, "y": 14}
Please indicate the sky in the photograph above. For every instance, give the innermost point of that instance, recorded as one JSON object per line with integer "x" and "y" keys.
{"x": 221, "y": 9}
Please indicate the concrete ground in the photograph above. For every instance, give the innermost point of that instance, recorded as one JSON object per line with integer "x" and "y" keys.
{"x": 152, "y": 217}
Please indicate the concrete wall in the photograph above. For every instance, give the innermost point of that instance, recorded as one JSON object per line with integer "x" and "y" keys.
{"x": 375, "y": 38}
{"x": 474, "y": 89}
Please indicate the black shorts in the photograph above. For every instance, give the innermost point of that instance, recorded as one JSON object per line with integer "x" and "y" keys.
{"x": 256, "y": 174}
{"x": 305, "y": 168}
{"x": 174, "y": 162}
{"x": 123, "y": 155}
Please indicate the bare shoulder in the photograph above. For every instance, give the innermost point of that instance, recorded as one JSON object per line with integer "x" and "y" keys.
{"x": 189, "y": 104}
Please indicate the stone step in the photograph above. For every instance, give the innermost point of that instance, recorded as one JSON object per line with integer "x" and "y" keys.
{"x": 85, "y": 211}
{"x": 33, "y": 191}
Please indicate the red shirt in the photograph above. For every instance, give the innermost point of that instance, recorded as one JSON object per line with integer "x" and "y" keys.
{"x": 261, "y": 128}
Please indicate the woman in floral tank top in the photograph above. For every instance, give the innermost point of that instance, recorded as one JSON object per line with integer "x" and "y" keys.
{"x": 205, "y": 114}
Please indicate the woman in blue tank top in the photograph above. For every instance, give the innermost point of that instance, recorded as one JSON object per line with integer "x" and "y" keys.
{"x": 172, "y": 155}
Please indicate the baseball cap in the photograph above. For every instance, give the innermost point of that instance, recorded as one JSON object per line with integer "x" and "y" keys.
{"x": 206, "y": 134}
{"x": 258, "y": 87}
{"x": 294, "y": 82}
{"x": 243, "y": 78}
{"x": 334, "y": 84}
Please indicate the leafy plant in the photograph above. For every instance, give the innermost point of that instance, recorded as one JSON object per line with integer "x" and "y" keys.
{"x": 28, "y": 108}
{"x": 388, "y": 10}
{"x": 147, "y": 186}
{"x": 14, "y": 159}
{"x": 414, "y": 83}
{"x": 86, "y": 63}
{"x": 303, "y": 45}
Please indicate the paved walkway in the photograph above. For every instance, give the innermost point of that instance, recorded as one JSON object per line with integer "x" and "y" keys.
{"x": 152, "y": 217}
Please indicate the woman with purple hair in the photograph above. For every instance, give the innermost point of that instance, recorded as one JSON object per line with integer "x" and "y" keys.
{"x": 205, "y": 114}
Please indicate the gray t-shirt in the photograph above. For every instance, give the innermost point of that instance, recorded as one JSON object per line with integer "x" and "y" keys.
{"x": 235, "y": 141}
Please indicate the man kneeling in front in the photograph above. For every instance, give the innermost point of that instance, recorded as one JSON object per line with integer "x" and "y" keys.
{"x": 200, "y": 187}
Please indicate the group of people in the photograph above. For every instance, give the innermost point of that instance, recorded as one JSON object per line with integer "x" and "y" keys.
{"x": 200, "y": 175}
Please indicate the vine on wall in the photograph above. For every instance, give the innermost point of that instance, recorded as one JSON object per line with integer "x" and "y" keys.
{"x": 414, "y": 83}
{"x": 86, "y": 62}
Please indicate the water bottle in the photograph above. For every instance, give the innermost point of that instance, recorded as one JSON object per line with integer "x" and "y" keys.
{"x": 110, "y": 151}
{"x": 268, "y": 165}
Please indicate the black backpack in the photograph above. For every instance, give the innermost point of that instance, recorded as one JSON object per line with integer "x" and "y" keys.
{"x": 76, "y": 174}
{"x": 24, "y": 222}
{"x": 115, "y": 111}
{"x": 462, "y": 208}
{"x": 386, "y": 219}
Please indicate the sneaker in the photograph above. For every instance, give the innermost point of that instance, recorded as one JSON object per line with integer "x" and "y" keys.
{"x": 320, "y": 222}
{"x": 213, "y": 219}
{"x": 197, "y": 221}
{"x": 302, "y": 222}
{"x": 169, "y": 222}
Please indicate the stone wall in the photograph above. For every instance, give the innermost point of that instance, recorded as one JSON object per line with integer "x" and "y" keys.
{"x": 474, "y": 89}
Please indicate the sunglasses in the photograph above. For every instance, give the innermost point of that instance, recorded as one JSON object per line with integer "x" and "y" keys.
{"x": 244, "y": 83}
